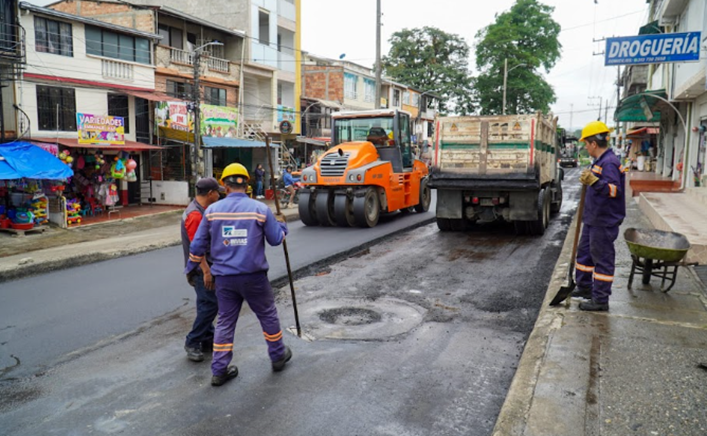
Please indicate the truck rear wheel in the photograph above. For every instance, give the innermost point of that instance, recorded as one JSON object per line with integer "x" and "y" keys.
{"x": 538, "y": 226}
{"x": 343, "y": 211}
{"x": 307, "y": 211}
{"x": 325, "y": 208}
{"x": 367, "y": 209}
{"x": 557, "y": 204}
{"x": 425, "y": 198}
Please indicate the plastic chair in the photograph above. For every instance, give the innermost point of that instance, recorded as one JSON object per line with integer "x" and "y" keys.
{"x": 95, "y": 207}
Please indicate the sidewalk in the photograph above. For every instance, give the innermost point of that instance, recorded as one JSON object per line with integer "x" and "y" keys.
{"x": 635, "y": 370}
{"x": 21, "y": 256}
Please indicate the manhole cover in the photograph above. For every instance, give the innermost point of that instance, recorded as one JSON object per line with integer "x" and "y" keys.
{"x": 350, "y": 316}
{"x": 358, "y": 318}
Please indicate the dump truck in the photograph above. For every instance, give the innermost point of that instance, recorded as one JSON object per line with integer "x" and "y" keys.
{"x": 369, "y": 170}
{"x": 488, "y": 168}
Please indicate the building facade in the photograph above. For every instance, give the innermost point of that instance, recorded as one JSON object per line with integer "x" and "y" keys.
{"x": 12, "y": 62}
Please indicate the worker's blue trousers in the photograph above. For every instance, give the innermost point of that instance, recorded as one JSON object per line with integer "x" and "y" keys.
{"x": 231, "y": 292}
{"x": 595, "y": 261}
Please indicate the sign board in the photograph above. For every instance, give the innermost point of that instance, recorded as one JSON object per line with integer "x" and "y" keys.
{"x": 285, "y": 127}
{"x": 100, "y": 129}
{"x": 219, "y": 121}
{"x": 285, "y": 113}
{"x": 174, "y": 115}
{"x": 653, "y": 49}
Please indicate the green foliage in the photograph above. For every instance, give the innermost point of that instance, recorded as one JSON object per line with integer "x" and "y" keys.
{"x": 430, "y": 59}
{"x": 526, "y": 34}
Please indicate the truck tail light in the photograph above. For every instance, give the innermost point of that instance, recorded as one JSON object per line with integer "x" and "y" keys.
{"x": 475, "y": 200}
{"x": 495, "y": 201}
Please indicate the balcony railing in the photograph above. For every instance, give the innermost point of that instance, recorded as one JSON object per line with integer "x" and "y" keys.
{"x": 12, "y": 43}
{"x": 117, "y": 70}
{"x": 185, "y": 57}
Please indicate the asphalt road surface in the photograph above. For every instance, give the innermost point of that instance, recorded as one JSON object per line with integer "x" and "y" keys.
{"x": 45, "y": 317}
{"x": 417, "y": 335}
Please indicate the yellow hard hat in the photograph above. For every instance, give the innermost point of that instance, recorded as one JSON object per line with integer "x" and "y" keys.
{"x": 594, "y": 128}
{"x": 235, "y": 169}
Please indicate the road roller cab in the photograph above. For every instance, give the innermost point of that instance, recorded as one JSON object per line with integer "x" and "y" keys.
{"x": 369, "y": 170}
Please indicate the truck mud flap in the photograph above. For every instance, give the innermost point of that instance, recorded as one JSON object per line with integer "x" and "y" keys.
{"x": 449, "y": 204}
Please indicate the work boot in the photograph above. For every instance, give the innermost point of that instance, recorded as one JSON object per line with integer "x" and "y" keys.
{"x": 279, "y": 365}
{"x": 581, "y": 293}
{"x": 219, "y": 380}
{"x": 594, "y": 306}
{"x": 194, "y": 354}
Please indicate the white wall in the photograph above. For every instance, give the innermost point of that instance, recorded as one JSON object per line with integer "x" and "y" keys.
{"x": 81, "y": 66}
{"x": 170, "y": 192}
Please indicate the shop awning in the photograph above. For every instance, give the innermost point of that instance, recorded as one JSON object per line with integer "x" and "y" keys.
{"x": 319, "y": 142}
{"x": 651, "y": 28}
{"x": 152, "y": 96}
{"x": 210, "y": 142}
{"x": 24, "y": 160}
{"x": 74, "y": 143}
{"x": 641, "y": 107}
{"x": 644, "y": 131}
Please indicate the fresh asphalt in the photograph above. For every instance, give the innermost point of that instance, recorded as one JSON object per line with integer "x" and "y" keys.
{"x": 474, "y": 297}
{"x": 45, "y": 317}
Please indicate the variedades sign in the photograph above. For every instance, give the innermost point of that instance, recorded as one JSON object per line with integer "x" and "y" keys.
{"x": 653, "y": 49}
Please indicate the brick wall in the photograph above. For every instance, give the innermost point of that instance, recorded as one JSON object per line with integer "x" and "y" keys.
{"x": 231, "y": 91}
{"x": 316, "y": 86}
{"x": 109, "y": 12}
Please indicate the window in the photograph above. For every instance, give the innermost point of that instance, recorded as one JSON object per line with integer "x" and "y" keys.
{"x": 56, "y": 108}
{"x": 118, "y": 107}
{"x": 215, "y": 96}
{"x": 396, "y": 98}
{"x": 415, "y": 99}
{"x": 264, "y": 27}
{"x": 350, "y": 85}
{"x": 406, "y": 97}
{"x": 369, "y": 90}
{"x": 180, "y": 89}
{"x": 171, "y": 36}
{"x": 101, "y": 42}
{"x": 53, "y": 37}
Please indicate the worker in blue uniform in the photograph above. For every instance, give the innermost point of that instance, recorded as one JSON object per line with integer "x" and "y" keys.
{"x": 235, "y": 230}
{"x": 604, "y": 211}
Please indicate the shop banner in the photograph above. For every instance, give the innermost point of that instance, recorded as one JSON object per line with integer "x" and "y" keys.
{"x": 219, "y": 121}
{"x": 100, "y": 129}
{"x": 174, "y": 115}
{"x": 285, "y": 113}
{"x": 653, "y": 49}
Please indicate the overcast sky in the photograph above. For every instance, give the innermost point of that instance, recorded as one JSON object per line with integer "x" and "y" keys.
{"x": 335, "y": 27}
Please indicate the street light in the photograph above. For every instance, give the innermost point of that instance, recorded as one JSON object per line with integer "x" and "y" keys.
{"x": 505, "y": 80}
{"x": 196, "y": 94}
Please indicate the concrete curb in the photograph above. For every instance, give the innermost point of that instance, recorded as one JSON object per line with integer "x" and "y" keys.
{"x": 513, "y": 417}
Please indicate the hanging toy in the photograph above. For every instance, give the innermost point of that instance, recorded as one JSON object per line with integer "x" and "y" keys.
{"x": 131, "y": 165}
{"x": 117, "y": 170}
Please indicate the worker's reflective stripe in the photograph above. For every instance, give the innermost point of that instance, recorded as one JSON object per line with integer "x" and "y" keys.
{"x": 195, "y": 258}
{"x": 596, "y": 169}
{"x": 585, "y": 268}
{"x": 235, "y": 216}
{"x": 251, "y": 218}
{"x": 273, "y": 338}
{"x": 612, "y": 190}
{"x": 221, "y": 348}
{"x": 603, "y": 277}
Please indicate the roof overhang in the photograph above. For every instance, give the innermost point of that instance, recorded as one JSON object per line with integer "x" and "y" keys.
{"x": 641, "y": 107}
{"x": 181, "y": 15}
{"x": 74, "y": 143}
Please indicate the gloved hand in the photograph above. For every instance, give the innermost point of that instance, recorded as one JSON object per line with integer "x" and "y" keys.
{"x": 190, "y": 278}
{"x": 588, "y": 178}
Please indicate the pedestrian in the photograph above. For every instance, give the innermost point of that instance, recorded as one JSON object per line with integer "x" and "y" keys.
{"x": 201, "y": 337}
{"x": 289, "y": 180}
{"x": 235, "y": 230}
{"x": 604, "y": 211}
{"x": 259, "y": 177}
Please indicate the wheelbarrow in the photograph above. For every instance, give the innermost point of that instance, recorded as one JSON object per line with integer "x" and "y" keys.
{"x": 656, "y": 253}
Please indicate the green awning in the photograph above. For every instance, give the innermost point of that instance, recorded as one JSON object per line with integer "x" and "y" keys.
{"x": 651, "y": 28}
{"x": 639, "y": 107}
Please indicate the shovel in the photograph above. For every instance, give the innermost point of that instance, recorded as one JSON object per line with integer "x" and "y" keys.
{"x": 566, "y": 290}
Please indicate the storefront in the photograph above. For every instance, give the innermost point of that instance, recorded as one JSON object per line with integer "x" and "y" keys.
{"x": 642, "y": 148}
{"x": 32, "y": 181}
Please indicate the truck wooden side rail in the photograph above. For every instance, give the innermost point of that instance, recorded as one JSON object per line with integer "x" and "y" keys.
{"x": 487, "y": 168}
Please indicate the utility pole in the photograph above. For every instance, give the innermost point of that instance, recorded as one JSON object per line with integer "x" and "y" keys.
{"x": 599, "y": 117}
{"x": 197, "y": 126}
{"x": 378, "y": 54}
{"x": 505, "y": 83}
{"x": 571, "y": 113}
{"x": 618, "y": 101}
{"x": 606, "y": 112}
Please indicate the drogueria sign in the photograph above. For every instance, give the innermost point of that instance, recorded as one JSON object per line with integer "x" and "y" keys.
{"x": 653, "y": 49}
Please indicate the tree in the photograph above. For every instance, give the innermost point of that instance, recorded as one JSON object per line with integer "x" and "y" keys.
{"x": 432, "y": 60}
{"x": 527, "y": 36}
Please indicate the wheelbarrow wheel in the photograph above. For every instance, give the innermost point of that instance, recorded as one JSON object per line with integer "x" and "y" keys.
{"x": 647, "y": 271}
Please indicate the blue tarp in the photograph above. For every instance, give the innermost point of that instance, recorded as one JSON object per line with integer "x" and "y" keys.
{"x": 22, "y": 159}
{"x": 210, "y": 142}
